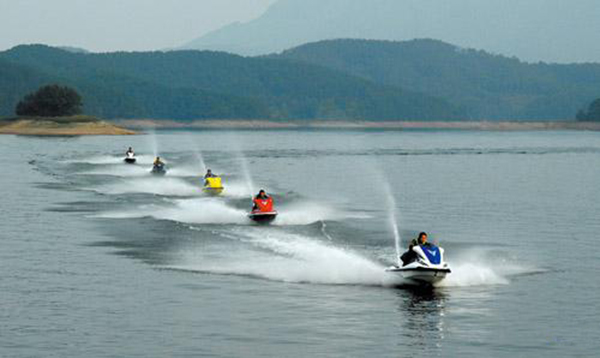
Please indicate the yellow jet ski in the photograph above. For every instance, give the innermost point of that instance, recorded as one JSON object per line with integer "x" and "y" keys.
{"x": 213, "y": 185}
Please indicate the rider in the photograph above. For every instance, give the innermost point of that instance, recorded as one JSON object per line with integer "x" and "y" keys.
{"x": 129, "y": 152}
{"x": 209, "y": 174}
{"x": 410, "y": 256}
{"x": 262, "y": 196}
{"x": 158, "y": 162}
{"x": 420, "y": 240}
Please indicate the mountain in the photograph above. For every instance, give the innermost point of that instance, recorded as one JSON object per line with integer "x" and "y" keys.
{"x": 487, "y": 86}
{"x": 533, "y": 30}
{"x": 196, "y": 85}
{"x": 107, "y": 94}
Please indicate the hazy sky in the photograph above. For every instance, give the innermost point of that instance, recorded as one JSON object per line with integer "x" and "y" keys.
{"x": 532, "y": 30}
{"x": 108, "y": 25}
{"x": 548, "y": 30}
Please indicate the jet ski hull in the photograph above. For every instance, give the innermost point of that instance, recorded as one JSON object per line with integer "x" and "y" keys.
{"x": 130, "y": 160}
{"x": 263, "y": 217}
{"x": 158, "y": 172}
{"x": 421, "y": 274}
{"x": 213, "y": 191}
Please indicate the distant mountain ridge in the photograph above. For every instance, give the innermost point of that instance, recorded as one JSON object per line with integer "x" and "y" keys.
{"x": 534, "y": 30}
{"x": 209, "y": 85}
{"x": 329, "y": 80}
{"x": 486, "y": 86}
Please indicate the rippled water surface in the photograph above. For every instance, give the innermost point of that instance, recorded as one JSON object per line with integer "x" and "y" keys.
{"x": 101, "y": 259}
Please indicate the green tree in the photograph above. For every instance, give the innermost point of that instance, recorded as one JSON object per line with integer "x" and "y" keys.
{"x": 50, "y": 101}
{"x": 592, "y": 114}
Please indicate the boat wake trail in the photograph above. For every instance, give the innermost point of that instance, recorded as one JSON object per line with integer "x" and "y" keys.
{"x": 307, "y": 213}
{"x": 208, "y": 210}
{"x": 191, "y": 211}
{"x": 156, "y": 186}
{"x": 476, "y": 268}
{"x": 238, "y": 190}
{"x": 119, "y": 170}
{"x": 110, "y": 159}
{"x": 286, "y": 257}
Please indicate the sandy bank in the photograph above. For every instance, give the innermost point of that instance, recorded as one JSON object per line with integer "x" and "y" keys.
{"x": 265, "y": 124}
{"x": 52, "y": 128}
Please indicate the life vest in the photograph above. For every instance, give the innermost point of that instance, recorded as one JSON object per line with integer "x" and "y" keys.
{"x": 264, "y": 205}
{"x": 213, "y": 182}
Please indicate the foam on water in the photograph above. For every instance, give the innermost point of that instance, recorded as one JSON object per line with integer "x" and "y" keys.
{"x": 121, "y": 170}
{"x": 190, "y": 211}
{"x": 277, "y": 255}
{"x": 216, "y": 211}
{"x": 111, "y": 159}
{"x": 288, "y": 257}
{"x": 203, "y": 211}
{"x": 237, "y": 190}
{"x": 164, "y": 186}
{"x": 282, "y": 256}
{"x": 473, "y": 274}
{"x": 306, "y": 213}
{"x": 468, "y": 274}
{"x": 475, "y": 268}
{"x": 105, "y": 159}
{"x": 130, "y": 170}
{"x": 186, "y": 171}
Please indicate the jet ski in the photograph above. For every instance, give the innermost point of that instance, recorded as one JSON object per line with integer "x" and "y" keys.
{"x": 130, "y": 158}
{"x": 263, "y": 212}
{"x": 263, "y": 217}
{"x": 213, "y": 186}
{"x": 159, "y": 169}
{"x": 423, "y": 265}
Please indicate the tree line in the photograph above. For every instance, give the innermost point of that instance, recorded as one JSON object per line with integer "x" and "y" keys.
{"x": 190, "y": 85}
{"x": 486, "y": 86}
{"x": 50, "y": 101}
{"x": 337, "y": 79}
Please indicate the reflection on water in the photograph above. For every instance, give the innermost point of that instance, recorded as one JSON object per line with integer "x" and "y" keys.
{"x": 423, "y": 312}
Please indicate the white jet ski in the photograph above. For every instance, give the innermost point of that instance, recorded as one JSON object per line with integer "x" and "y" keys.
{"x": 130, "y": 158}
{"x": 426, "y": 266}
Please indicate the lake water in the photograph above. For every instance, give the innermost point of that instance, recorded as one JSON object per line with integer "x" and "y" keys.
{"x": 100, "y": 259}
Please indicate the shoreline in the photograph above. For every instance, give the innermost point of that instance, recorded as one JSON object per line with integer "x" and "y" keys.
{"x": 62, "y": 127}
{"x": 32, "y": 127}
{"x": 146, "y": 124}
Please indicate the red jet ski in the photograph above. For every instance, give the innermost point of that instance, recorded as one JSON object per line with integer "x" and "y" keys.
{"x": 263, "y": 212}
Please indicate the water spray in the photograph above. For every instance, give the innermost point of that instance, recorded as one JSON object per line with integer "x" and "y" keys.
{"x": 244, "y": 164}
{"x": 391, "y": 202}
{"x": 198, "y": 155}
{"x": 392, "y": 211}
{"x": 247, "y": 174}
{"x": 153, "y": 142}
{"x": 397, "y": 238}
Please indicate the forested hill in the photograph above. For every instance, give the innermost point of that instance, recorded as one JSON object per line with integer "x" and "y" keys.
{"x": 488, "y": 86}
{"x": 109, "y": 95}
{"x": 197, "y": 85}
